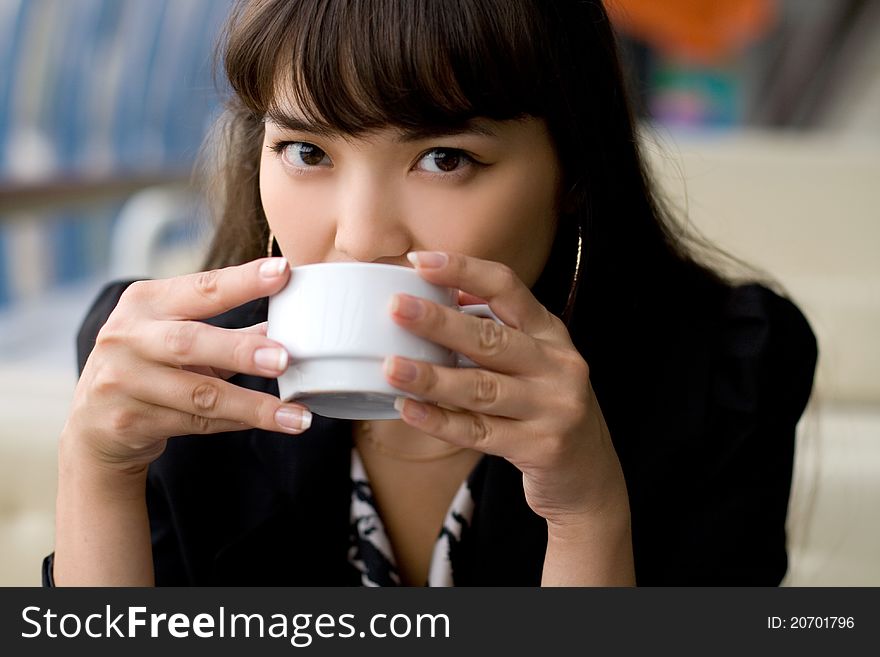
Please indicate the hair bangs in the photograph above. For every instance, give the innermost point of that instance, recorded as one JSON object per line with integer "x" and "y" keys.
{"x": 351, "y": 66}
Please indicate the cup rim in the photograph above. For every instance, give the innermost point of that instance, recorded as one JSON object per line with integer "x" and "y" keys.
{"x": 352, "y": 265}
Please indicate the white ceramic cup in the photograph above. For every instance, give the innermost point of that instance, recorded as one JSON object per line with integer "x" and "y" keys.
{"x": 334, "y": 319}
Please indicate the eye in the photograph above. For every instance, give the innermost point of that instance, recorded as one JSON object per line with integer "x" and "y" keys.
{"x": 445, "y": 160}
{"x": 301, "y": 154}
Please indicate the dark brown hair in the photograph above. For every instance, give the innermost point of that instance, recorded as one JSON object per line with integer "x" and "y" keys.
{"x": 355, "y": 65}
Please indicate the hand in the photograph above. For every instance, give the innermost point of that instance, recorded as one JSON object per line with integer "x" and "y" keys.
{"x": 530, "y": 401}
{"x": 154, "y": 373}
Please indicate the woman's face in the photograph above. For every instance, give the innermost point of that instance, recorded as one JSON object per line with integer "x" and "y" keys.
{"x": 488, "y": 192}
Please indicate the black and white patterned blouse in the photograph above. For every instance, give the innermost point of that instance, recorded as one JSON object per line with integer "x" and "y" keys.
{"x": 370, "y": 550}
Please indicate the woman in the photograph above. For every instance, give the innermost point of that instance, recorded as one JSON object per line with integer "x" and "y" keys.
{"x": 633, "y": 423}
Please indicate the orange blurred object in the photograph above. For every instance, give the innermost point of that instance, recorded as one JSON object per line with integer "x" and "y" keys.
{"x": 706, "y": 30}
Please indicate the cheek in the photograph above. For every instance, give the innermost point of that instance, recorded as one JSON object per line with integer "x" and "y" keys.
{"x": 529, "y": 221}
{"x": 285, "y": 204}
{"x": 271, "y": 191}
{"x": 510, "y": 218}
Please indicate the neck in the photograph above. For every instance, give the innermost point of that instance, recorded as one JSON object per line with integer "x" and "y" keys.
{"x": 397, "y": 437}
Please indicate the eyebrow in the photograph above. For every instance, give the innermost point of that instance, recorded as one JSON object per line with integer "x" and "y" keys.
{"x": 406, "y": 135}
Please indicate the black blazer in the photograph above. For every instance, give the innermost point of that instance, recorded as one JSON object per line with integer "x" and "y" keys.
{"x": 706, "y": 447}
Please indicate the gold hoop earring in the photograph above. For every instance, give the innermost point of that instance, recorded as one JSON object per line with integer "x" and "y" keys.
{"x": 270, "y": 245}
{"x": 572, "y": 291}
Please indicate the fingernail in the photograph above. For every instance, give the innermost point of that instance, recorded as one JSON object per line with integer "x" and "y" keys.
{"x": 406, "y": 306}
{"x": 270, "y": 358}
{"x": 427, "y": 259}
{"x": 273, "y": 268}
{"x": 402, "y": 370}
{"x": 414, "y": 410}
{"x": 292, "y": 417}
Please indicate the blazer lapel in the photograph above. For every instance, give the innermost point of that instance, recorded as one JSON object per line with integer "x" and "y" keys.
{"x": 300, "y": 536}
{"x": 508, "y": 539}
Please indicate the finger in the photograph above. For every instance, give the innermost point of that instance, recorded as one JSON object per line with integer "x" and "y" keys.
{"x": 483, "y": 340}
{"x": 465, "y": 299}
{"x": 210, "y": 293}
{"x": 166, "y": 422}
{"x": 256, "y": 329}
{"x": 259, "y": 329}
{"x": 472, "y": 389}
{"x": 200, "y": 425}
{"x": 193, "y": 343}
{"x": 498, "y": 284}
{"x": 490, "y": 435}
{"x": 219, "y": 372}
{"x": 216, "y": 372}
{"x": 208, "y": 397}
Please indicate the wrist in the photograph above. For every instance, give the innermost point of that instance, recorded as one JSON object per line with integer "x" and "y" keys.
{"x": 82, "y": 463}
{"x": 589, "y": 529}
{"x": 610, "y": 516}
{"x": 593, "y": 550}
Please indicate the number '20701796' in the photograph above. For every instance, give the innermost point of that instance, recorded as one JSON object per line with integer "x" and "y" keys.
{"x": 810, "y": 622}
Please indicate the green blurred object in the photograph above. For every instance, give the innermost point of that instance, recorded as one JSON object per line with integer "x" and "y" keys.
{"x": 688, "y": 94}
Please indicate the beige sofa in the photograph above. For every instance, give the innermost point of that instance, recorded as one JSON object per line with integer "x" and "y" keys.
{"x": 33, "y": 405}
{"x": 805, "y": 208}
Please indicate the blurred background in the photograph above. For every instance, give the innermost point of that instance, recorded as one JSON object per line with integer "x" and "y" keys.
{"x": 760, "y": 119}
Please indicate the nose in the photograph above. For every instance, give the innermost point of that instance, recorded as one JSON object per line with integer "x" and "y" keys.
{"x": 370, "y": 217}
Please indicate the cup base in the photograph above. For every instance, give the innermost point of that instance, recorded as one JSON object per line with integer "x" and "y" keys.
{"x": 345, "y": 388}
{"x": 351, "y": 405}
